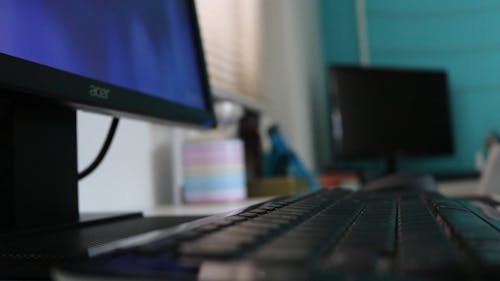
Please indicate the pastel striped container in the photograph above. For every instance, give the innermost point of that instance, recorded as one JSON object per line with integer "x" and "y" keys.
{"x": 214, "y": 171}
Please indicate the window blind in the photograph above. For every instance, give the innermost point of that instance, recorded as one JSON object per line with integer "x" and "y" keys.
{"x": 231, "y": 35}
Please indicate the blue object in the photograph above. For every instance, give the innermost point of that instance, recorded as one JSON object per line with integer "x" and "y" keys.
{"x": 285, "y": 162}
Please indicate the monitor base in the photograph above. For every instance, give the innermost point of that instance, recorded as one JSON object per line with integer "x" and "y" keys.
{"x": 32, "y": 255}
{"x": 403, "y": 181}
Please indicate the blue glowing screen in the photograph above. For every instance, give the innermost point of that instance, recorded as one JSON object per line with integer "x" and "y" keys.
{"x": 146, "y": 46}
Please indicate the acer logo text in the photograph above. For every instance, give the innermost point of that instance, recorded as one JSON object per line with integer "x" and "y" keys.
{"x": 99, "y": 92}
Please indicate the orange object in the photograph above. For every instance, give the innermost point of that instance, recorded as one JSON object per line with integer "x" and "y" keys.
{"x": 331, "y": 180}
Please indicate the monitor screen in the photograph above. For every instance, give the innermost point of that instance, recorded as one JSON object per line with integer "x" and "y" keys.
{"x": 148, "y": 50}
{"x": 390, "y": 112}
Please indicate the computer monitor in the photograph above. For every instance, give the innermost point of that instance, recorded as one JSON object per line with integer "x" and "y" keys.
{"x": 390, "y": 112}
{"x": 141, "y": 59}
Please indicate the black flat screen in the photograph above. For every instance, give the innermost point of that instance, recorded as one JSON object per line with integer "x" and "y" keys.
{"x": 381, "y": 112}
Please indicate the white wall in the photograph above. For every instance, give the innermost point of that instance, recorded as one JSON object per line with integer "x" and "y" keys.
{"x": 292, "y": 78}
{"x": 135, "y": 175}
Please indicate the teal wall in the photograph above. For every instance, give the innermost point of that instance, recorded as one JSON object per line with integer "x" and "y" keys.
{"x": 338, "y": 22}
{"x": 460, "y": 36}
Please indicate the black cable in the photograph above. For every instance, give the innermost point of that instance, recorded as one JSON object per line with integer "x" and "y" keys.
{"x": 104, "y": 150}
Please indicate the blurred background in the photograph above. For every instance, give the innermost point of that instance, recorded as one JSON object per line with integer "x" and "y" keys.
{"x": 268, "y": 64}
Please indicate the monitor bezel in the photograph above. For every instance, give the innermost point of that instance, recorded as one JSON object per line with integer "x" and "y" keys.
{"x": 21, "y": 75}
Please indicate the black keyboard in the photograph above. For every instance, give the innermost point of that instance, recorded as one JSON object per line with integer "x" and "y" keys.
{"x": 327, "y": 235}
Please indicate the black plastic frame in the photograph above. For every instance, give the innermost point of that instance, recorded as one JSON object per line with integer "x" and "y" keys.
{"x": 373, "y": 155}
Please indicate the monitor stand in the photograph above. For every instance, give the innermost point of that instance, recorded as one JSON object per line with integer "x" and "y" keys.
{"x": 38, "y": 166}
{"x": 403, "y": 181}
{"x": 40, "y": 224}
{"x": 394, "y": 180}
{"x": 392, "y": 161}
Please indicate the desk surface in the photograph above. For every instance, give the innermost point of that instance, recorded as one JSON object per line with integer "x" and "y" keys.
{"x": 459, "y": 188}
{"x": 203, "y": 209}
{"x": 449, "y": 188}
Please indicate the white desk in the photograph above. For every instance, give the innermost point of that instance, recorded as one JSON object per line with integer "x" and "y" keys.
{"x": 449, "y": 188}
{"x": 459, "y": 187}
{"x": 203, "y": 209}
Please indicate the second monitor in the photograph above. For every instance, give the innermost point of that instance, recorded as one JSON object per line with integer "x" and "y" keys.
{"x": 392, "y": 113}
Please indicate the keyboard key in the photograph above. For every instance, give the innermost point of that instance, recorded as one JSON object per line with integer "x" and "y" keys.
{"x": 423, "y": 245}
{"x": 355, "y": 250}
